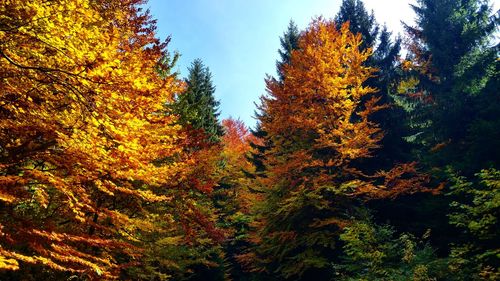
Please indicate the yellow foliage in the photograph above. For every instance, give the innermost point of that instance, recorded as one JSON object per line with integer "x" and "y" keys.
{"x": 81, "y": 125}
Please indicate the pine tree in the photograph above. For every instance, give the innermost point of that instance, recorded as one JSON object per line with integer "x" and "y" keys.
{"x": 197, "y": 106}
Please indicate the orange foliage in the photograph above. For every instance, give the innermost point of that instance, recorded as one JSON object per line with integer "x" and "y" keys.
{"x": 236, "y": 148}
{"x": 80, "y": 127}
{"x": 318, "y": 122}
{"x": 319, "y": 115}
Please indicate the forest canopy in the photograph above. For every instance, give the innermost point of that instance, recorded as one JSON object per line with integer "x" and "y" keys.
{"x": 374, "y": 157}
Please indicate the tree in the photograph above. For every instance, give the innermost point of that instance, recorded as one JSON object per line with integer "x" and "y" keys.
{"x": 197, "y": 106}
{"x": 452, "y": 68}
{"x": 477, "y": 256}
{"x": 373, "y": 252}
{"x": 318, "y": 122}
{"x": 360, "y": 21}
{"x": 289, "y": 41}
{"x": 384, "y": 60}
{"x": 450, "y": 94}
{"x": 234, "y": 196}
{"x": 80, "y": 130}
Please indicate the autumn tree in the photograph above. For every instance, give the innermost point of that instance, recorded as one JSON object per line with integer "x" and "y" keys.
{"x": 318, "y": 122}
{"x": 80, "y": 131}
{"x": 384, "y": 60}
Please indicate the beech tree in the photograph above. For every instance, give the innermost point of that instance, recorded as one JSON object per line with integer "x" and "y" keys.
{"x": 318, "y": 122}
{"x": 385, "y": 61}
{"x": 79, "y": 131}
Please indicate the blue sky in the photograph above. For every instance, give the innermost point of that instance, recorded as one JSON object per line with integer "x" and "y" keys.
{"x": 238, "y": 39}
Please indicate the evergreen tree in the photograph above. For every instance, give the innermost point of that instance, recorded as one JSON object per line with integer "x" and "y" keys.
{"x": 360, "y": 21}
{"x": 289, "y": 41}
{"x": 451, "y": 94}
{"x": 455, "y": 75}
{"x": 197, "y": 106}
{"x": 385, "y": 60}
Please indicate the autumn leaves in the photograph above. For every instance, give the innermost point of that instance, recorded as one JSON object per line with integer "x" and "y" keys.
{"x": 113, "y": 167}
{"x": 80, "y": 130}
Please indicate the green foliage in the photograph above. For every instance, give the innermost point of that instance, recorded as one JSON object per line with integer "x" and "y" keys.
{"x": 453, "y": 68}
{"x": 375, "y": 252}
{"x": 167, "y": 63}
{"x": 289, "y": 41}
{"x": 301, "y": 229}
{"x": 476, "y": 212}
{"x": 197, "y": 106}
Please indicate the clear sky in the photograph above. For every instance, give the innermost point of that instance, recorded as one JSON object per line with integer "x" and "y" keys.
{"x": 238, "y": 39}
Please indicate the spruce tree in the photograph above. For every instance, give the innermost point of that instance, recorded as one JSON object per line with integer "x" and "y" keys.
{"x": 453, "y": 103}
{"x": 197, "y": 106}
{"x": 385, "y": 60}
{"x": 289, "y": 41}
{"x": 456, "y": 71}
{"x": 360, "y": 21}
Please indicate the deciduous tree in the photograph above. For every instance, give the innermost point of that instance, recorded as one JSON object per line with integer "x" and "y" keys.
{"x": 80, "y": 128}
{"x": 319, "y": 126}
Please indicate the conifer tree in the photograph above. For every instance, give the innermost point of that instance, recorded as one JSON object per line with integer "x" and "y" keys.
{"x": 289, "y": 41}
{"x": 197, "y": 106}
{"x": 451, "y": 93}
{"x": 455, "y": 70}
{"x": 360, "y": 21}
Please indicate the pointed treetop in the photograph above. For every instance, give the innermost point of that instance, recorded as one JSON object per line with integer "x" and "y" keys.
{"x": 360, "y": 21}
{"x": 289, "y": 42}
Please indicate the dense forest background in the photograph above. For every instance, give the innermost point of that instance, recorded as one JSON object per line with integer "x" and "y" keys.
{"x": 373, "y": 158}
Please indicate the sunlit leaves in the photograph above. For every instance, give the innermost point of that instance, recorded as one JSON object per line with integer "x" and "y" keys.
{"x": 80, "y": 130}
{"x": 318, "y": 121}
